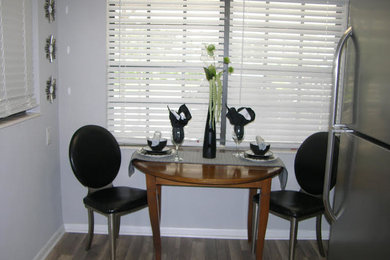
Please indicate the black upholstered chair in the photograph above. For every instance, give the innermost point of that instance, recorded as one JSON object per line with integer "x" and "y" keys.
{"x": 309, "y": 166}
{"x": 95, "y": 158}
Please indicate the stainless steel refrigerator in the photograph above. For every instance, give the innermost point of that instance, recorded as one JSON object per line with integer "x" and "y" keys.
{"x": 360, "y": 118}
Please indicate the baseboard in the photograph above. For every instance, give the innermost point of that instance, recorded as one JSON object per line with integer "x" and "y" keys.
{"x": 279, "y": 234}
{"x": 46, "y": 249}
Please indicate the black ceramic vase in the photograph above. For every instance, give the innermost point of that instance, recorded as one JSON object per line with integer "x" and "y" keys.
{"x": 209, "y": 141}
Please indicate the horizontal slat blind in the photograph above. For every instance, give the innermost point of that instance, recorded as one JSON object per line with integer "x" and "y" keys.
{"x": 282, "y": 52}
{"x": 154, "y": 60}
{"x": 16, "y": 77}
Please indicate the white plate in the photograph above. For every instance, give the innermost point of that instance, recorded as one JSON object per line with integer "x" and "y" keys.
{"x": 147, "y": 151}
{"x": 250, "y": 156}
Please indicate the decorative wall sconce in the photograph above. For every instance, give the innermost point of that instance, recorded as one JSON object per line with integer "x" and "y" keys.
{"x": 50, "y": 48}
{"x": 50, "y": 10}
{"x": 51, "y": 86}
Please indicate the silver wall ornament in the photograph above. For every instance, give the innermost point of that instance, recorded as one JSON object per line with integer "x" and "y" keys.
{"x": 50, "y": 10}
{"x": 50, "y": 48}
{"x": 51, "y": 87}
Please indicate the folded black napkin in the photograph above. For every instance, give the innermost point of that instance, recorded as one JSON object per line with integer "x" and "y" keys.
{"x": 181, "y": 117}
{"x": 241, "y": 116}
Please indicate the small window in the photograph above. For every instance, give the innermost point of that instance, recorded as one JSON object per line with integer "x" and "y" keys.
{"x": 16, "y": 77}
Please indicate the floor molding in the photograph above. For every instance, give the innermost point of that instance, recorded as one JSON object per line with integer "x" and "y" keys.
{"x": 46, "y": 249}
{"x": 278, "y": 234}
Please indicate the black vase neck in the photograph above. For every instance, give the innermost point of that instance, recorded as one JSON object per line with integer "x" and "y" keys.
{"x": 209, "y": 141}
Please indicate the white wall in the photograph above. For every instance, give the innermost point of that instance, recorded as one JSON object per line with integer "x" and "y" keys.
{"x": 30, "y": 195}
{"x": 82, "y": 54}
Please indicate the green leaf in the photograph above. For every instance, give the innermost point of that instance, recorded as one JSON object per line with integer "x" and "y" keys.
{"x": 209, "y": 76}
{"x": 210, "y": 72}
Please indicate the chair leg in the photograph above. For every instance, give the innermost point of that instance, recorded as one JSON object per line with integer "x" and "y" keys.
{"x": 111, "y": 234}
{"x": 90, "y": 229}
{"x": 117, "y": 226}
{"x": 293, "y": 237}
{"x": 255, "y": 225}
{"x": 319, "y": 236}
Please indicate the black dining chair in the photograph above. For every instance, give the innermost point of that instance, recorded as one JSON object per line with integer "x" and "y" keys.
{"x": 95, "y": 158}
{"x": 309, "y": 167}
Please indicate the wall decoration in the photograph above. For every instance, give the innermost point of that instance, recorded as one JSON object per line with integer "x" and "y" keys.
{"x": 50, "y": 10}
{"x": 51, "y": 86}
{"x": 50, "y": 48}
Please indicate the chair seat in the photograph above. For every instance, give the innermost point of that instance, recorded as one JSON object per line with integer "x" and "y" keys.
{"x": 293, "y": 203}
{"x": 116, "y": 199}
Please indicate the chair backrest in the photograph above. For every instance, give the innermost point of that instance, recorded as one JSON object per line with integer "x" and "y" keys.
{"x": 310, "y": 163}
{"x": 95, "y": 156}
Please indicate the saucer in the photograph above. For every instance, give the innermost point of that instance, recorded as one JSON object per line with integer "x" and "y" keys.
{"x": 252, "y": 156}
{"x": 148, "y": 151}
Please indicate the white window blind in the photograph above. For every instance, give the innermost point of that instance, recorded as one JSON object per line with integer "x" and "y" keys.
{"x": 282, "y": 52}
{"x": 16, "y": 77}
{"x": 154, "y": 60}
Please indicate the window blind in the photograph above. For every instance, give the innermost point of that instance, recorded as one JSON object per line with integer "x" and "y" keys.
{"x": 282, "y": 52}
{"x": 16, "y": 77}
{"x": 154, "y": 61}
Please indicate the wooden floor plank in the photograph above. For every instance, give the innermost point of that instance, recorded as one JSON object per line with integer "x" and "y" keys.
{"x": 211, "y": 250}
{"x": 222, "y": 250}
{"x": 72, "y": 247}
{"x": 185, "y": 248}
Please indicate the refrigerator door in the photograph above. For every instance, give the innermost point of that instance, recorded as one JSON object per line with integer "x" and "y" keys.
{"x": 366, "y": 104}
{"x": 362, "y": 201}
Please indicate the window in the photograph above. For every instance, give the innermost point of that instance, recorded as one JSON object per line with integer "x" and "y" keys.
{"x": 282, "y": 53}
{"x": 16, "y": 78}
{"x": 154, "y": 60}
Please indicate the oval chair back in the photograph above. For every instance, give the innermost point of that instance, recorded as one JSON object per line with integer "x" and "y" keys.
{"x": 310, "y": 163}
{"x": 309, "y": 166}
{"x": 95, "y": 156}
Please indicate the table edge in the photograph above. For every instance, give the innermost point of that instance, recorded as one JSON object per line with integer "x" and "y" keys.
{"x": 174, "y": 180}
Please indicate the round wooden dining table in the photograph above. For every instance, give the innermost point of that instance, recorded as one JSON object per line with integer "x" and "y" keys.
{"x": 207, "y": 175}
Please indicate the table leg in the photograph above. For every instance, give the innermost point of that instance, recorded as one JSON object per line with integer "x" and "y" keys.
{"x": 263, "y": 218}
{"x": 152, "y": 191}
{"x": 252, "y": 192}
{"x": 159, "y": 202}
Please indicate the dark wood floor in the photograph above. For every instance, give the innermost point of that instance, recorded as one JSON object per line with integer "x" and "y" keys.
{"x": 72, "y": 246}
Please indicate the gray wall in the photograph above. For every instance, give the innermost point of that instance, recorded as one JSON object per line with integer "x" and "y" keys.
{"x": 38, "y": 192}
{"x": 81, "y": 29}
{"x": 30, "y": 194}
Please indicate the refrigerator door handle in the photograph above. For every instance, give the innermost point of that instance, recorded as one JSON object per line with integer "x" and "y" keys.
{"x": 329, "y": 213}
{"x": 336, "y": 76}
{"x": 334, "y": 128}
